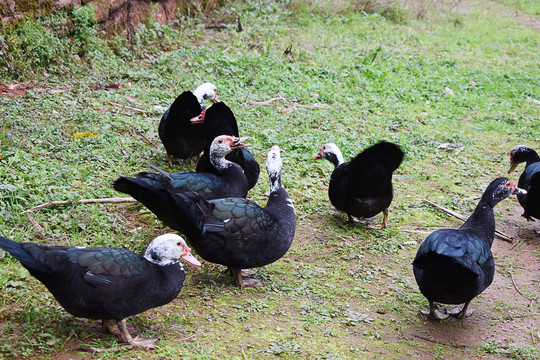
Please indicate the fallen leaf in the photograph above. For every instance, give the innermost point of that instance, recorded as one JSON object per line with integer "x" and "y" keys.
{"x": 114, "y": 86}
{"x": 83, "y": 135}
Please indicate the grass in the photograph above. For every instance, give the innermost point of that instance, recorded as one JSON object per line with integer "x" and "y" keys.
{"x": 342, "y": 291}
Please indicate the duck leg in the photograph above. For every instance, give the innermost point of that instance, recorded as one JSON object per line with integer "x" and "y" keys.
{"x": 527, "y": 216}
{"x": 108, "y": 326}
{"x": 169, "y": 158}
{"x": 147, "y": 343}
{"x": 384, "y": 221}
{"x": 237, "y": 274}
{"x": 198, "y": 158}
{"x": 433, "y": 314}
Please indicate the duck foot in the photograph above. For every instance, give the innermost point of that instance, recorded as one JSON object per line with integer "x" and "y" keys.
{"x": 460, "y": 314}
{"x": 249, "y": 282}
{"x": 384, "y": 222}
{"x": 241, "y": 277}
{"x": 434, "y": 315}
{"x": 377, "y": 227}
{"x": 248, "y": 272}
{"x": 147, "y": 343}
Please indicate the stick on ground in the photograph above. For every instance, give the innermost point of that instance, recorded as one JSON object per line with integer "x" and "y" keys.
{"x": 67, "y": 202}
{"x": 82, "y": 201}
{"x": 498, "y": 233}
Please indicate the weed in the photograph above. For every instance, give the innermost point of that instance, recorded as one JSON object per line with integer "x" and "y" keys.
{"x": 508, "y": 350}
{"x": 284, "y": 347}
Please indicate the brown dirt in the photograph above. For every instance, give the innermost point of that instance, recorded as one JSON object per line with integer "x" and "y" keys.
{"x": 15, "y": 89}
{"x": 528, "y": 20}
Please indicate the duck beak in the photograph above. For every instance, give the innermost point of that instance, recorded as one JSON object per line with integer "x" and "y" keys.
{"x": 317, "y": 155}
{"x": 214, "y": 99}
{"x": 190, "y": 258}
{"x": 199, "y": 119}
{"x": 513, "y": 166}
{"x": 518, "y": 191}
{"x": 238, "y": 143}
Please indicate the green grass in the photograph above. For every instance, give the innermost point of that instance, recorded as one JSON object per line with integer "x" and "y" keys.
{"x": 342, "y": 291}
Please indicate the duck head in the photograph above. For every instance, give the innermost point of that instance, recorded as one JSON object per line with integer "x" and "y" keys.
{"x": 167, "y": 249}
{"x": 331, "y": 153}
{"x": 518, "y": 154}
{"x": 274, "y": 165}
{"x": 499, "y": 189}
{"x": 223, "y": 145}
{"x": 206, "y": 91}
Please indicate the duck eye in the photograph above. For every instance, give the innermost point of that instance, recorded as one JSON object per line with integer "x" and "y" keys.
{"x": 179, "y": 243}
{"x": 508, "y": 184}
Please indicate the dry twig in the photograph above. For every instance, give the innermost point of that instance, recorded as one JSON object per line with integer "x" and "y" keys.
{"x": 498, "y": 233}
{"x": 82, "y": 201}
{"x": 36, "y": 225}
{"x": 129, "y": 108}
{"x": 440, "y": 343}
{"x": 290, "y": 105}
{"x": 515, "y": 287}
{"x": 145, "y": 138}
{"x": 67, "y": 202}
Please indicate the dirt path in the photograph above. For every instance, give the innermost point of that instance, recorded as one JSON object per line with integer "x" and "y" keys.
{"x": 533, "y": 21}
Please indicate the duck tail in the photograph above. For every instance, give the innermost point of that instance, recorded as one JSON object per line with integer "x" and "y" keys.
{"x": 150, "y": 190}
{"x": 16, "y": 250}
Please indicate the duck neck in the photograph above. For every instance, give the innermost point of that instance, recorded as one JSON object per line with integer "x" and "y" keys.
{"x": 200, "y": 98}
{"x": 482, "y": 222}
{"x": 275, "y": 183}
{"x": 279, "y": 201}
{"x": 335, "y": 158}
{"x": 532, "y": 157}
{"x": 219, "y": 162}
{"x": 155, "y": 258}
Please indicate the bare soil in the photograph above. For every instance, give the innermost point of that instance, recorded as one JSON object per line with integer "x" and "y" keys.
{"x": 532, "y": 21}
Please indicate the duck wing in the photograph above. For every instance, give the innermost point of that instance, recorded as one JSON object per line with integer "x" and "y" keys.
{"x": 453, "y": 266}
{"x": 529, "y": 180}
{"x": 531, "y": 200}
{"x": 233, "y": 218}
{"x": 204, "y": 183}
{"x": 465, "y": 247}
{"x": 233, "y": 231}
